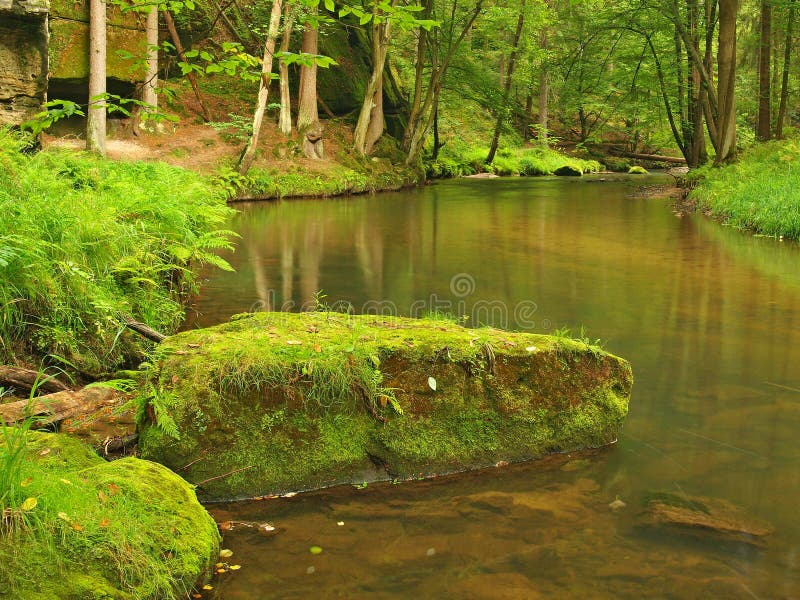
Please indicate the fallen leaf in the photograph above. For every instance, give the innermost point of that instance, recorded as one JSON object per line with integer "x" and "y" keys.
{"x": 317, "y": 348}
{"x": 208, "y": 587}
{"x": 315, "y": 550}
{"x": 77, "y": 527}
{"x": 225, "y": 553}
{"x": 193, "y": 345}
{"x": 226, "y": 525}
{"x": 531, "y": 348}
{"x": 175, "y": 379}
{"x": 29, "y": 504}
{"x": 235, "y": 567}
{"x": 104, "y": 523}
{"x": 266, "y": 527}
{"x": 220, "y": 571}
{"x": 101, "y": 495}
{"x": 44, "y": 452}
{"x": 340, "y": 523}
{"x": 289, "y": 495}
{"x": 219, "y": 565}
{"x": 617, "y": 504}
{"x": 196, "y": 596}
{"x": 384, "y": 401}
{"x": 432, "y": 383}
{"x": 26, "y": 482}
{"x": 64, "y": 517}
{"x": 294, "y": 342}
{"x": 113, "y": 489}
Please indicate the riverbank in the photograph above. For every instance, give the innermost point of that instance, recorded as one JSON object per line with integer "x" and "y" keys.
{"x": 759, "y": 193}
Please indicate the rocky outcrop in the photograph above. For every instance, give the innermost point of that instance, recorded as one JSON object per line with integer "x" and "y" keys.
{"x": 277, "y": 402}
{"x": 23, "y": 59}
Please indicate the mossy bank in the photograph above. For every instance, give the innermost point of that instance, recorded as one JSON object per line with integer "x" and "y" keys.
{"x": 76, "y": 526}
{"x": 273, "y": 402}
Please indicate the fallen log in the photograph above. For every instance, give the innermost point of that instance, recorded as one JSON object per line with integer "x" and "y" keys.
{"x": 53, "y": 408}
{"x": 678, "y": 160}
{"x": 27, "y": 379}
{"x": 144, "y": 330}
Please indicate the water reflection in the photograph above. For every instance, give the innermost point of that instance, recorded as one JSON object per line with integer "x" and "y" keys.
{"x": 708, "y": 317}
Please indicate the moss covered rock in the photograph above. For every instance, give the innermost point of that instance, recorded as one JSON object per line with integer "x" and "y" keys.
{"x": 568, "y": 171}
{"x": 274, "y": 402}
{"x": 637, "y": 170}
{"x": 129, "y": 529}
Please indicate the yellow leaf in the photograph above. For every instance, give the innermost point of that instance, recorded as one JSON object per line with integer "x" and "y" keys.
{"x": 26, "y": 482}
{"x": 293, "y": 342}
{"x": 101, "y": 495}
{"x": 64, "y": 517}
{"x": 104, "y": 523}
{"x": 235, "y": 567}
{"x": 208, "y": 587}
{"x": 317, "y": 348}
{"x": 65, "y": 481}
{"x": 77, "y": 527}
{"x": 29, "y": 504}
{"x": 113, "y": 489}
{"x": 225, "y": 553}
{"x": 219, "y": 565}
{"x": 44, "y": 452}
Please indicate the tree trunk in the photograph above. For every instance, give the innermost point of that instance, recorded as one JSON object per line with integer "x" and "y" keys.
{"x": 96, "y": 120}
{"x": 764, "y": 124}
{"x": 365, "y": 129}
{"x": 285, "y": 118}
{"x": 249, "y": 154}
{"x": 543, "y": 95}
{"x": 787, "y": 59}
{"x": 726, "y": 66}
{"x": 508, "y": 80}
{"x": 419, "y": 71}
{"x": 149, "y": 95}
{"x": 176, "y": 41}
{"x": 307, "y": 112}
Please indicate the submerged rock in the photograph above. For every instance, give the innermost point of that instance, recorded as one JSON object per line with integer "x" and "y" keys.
{"x": 123, "y": 530}
{"x": 705, "y": 516}
{"x": 274, "y": 401}
{"x": 568, "y": 171}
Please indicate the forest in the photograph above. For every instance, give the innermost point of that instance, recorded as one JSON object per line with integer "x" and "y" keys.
{"x": 296, "y": 298}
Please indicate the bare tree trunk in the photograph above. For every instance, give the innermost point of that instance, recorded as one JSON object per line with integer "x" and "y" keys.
{"x": 508, "y": 80}
{"x": 149, "y": 95}
{"x": 376, "y": 120}
{"x": 176, "y": 41}
{"x": 726, "y": 65}
{"x": 285, "y": 119}
{"x": 307, "y": 112}
{"x": 380, "y": 47}
{"x": 96, "y": 120}
{"x": 419, "y": 71}
{"x": 764, "y": 124}
{"x": 787, "y": 59}
{"x": 249, "y": 153}
{"x": 543, "y": 94}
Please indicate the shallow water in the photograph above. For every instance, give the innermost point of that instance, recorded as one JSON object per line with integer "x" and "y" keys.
{"x": 709, "y": 318}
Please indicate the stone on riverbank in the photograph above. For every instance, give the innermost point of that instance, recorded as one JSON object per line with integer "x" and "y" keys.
{"x": 274, "y": 402}
{"x": 123, "y": 530}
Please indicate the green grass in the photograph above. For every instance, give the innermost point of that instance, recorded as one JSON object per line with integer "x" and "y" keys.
{"x": 75, "y": 526}
{"x": 457, "y": 160}
{"x": 86, "y": 240}
{"x": 760, "y": 193}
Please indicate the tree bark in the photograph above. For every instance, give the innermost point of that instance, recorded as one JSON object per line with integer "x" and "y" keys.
{"x": 764, "y": 124}
{"x": 365, "y": 129}
{"x": 787, "y": 59}
{"x": 726, "y": 66}
{"x": 176, "y": 41}
{"x": 508, "y": 80}
{"x": 53, "y": 408}
{"x": 307, "y": 111}
{"x": 285, "y": 118}
{"x": 249, "y": 153}
{"x": 543, "y": 95}
{"x": 419, "y": 72}
{"x": 149, "y": 95}
{"x": 96, "y": 120}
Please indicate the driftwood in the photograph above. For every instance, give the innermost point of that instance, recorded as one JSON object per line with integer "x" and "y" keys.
{"x": 144, "y": 330}
{"x": 26, "y": 379}
{"x": 53, "y": 408}
{"x": 654, "y": 157}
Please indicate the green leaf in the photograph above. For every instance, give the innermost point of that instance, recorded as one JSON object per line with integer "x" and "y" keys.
{"x": 329, "y": 5}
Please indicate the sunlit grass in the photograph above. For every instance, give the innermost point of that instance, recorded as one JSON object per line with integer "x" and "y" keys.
{"x": 761, "y": 192}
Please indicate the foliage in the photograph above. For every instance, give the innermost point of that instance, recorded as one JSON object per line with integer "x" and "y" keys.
{"x": 87, "y": 241}
{"x": 760, "y": 193}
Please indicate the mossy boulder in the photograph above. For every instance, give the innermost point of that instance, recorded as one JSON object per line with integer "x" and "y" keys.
{"x": 129, "y": 529}
{"x": 276, "y": 402}
{"x": 637, "y": 170}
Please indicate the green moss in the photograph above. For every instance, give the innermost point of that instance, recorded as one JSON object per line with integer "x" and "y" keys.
{"x": 129, "y": 529}
{"x": 306, "y": 400}
{"x": 637, "y": 170}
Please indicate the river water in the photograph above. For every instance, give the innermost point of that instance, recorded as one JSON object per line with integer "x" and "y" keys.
{"x": 709, "y": 317}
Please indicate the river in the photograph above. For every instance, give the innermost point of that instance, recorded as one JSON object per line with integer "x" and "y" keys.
{"x": 709, "y": 318}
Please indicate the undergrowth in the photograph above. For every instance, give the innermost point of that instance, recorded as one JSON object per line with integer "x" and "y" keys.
{"x": 86, "y": 241}
{"x": 761, "y": 192}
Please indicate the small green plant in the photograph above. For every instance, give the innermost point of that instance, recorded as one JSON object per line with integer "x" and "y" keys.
{"x": 235, "y": 131}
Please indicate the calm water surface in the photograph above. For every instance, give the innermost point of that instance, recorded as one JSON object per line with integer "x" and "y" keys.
{"x": 709, "y": 317}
